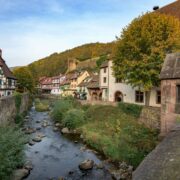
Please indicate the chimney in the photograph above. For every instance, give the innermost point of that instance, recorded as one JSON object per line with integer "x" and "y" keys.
{"x": 155, "y": 8}
{"x": 0, "y": 52}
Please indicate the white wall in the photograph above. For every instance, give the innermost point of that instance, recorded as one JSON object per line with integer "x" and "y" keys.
{"x": 127, "y": 90}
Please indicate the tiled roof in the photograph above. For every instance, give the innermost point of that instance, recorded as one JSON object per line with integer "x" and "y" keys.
{"x": 94, "y": 83}
{"x": 46, "y": 81}
{"x": 7, "y": 72}
{"x": 104, "y": 64}
{"x": 172, "y": 9}
{"x": 171, "y": 67}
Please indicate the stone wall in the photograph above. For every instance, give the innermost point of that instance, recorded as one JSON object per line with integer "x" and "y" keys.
{"x": 8, "y": 108}
{"x": 150, "y": 117}
{"x": 169, "y": 107}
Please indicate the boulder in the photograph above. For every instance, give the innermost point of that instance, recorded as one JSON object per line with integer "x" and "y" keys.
{"x": 31, "y": 143}
{"x": 55, "y": 129}
{"x": 86, "y": 165}
{"x": 38, "y": 128}
{"x": 57, "y": 125}
{"x": 65, "y": 131}
{"x": 38, "y": 121}
{"x": 44, "y": 124}
{"x": 20, "y": 174}
{"x": 37, "y": 139}
{"x": 30, "y": 131}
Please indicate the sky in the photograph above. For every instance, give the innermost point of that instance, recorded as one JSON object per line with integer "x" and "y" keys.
{"x": 33, "y": 29}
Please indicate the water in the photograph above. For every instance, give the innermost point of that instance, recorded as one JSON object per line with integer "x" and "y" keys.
{"x": 57, "y": 156}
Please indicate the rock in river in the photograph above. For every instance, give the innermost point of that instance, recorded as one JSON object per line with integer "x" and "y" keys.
{"x": 65, "y": 131}
{"x": 20, "y": 174}
{"x": 86, "y": 165}
{"x": 55, "y": 129}
{"x": 37, "y": 139}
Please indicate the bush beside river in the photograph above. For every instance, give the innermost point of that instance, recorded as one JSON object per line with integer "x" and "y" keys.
{"x": 114, "y": 131}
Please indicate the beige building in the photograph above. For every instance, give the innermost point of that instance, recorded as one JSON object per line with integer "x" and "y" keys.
{"x": 73, "y": 80}
{"x": 114, "y": 90}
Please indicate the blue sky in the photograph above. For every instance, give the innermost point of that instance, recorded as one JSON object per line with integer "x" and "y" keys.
{"x": 33, "y": 29}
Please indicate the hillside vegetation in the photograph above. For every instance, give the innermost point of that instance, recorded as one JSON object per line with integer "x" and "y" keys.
{"x": 57, "y": 63}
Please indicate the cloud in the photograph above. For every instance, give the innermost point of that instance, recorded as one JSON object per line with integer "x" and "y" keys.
{"x": 34, "y": 29}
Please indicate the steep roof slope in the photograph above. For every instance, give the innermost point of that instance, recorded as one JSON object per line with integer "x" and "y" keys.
{"x": 7, "y": 72}
{"x": 172, "y": 9}
{"x": 171, "y": 67}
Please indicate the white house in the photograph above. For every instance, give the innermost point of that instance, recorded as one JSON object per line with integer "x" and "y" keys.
{"x": 7, "y": 79}
{"x": 56, "y": 82}
{"x": 114, "y": 90}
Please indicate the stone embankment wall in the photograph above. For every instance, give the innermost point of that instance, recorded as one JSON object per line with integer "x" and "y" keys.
{"x": 151, "y": 117}
{"x": 8, "y": 109}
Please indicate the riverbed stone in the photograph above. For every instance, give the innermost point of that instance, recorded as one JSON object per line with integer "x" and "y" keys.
{"x": 20, "y": 174}
{"x": 31, "y": 143}
{"x": 30, "y": 131}
{"x": 65, "y": 131}
{"x": 38, "y": 121}
{"x": 55, "y": 129}
{"x": 38, "y": 128}
{"x": 37, "y": 139}
{"x": 57, "y": 125}
{"x": 86, "y": 165}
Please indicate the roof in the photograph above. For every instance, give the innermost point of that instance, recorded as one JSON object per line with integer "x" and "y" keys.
{"x": 7, "y": 72}
{"x": 94, "y": 83}
{"x": 46, "y": 81}
{"x": 171, "y": 67}
{"x": 172, "y": 9}
{"x": 104, "y": 64}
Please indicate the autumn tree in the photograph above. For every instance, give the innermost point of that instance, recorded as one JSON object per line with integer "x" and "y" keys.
{"x": 141, "y": 49}
{"x": 25, "y": 79}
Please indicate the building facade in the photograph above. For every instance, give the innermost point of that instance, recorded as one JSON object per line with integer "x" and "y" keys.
{"x": 114, "y": 90}
{"x": 7, "y": 79}
{"x": 170, "y": 88}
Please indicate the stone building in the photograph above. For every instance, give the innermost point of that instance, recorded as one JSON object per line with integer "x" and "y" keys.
{"x": 170, "y": 92}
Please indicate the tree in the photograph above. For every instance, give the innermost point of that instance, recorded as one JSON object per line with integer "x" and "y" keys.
{"x": 142, "y": 47}
{"x": 25, "y": 79}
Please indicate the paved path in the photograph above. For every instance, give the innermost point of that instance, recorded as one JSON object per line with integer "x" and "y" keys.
{"x": 164, "y": 162}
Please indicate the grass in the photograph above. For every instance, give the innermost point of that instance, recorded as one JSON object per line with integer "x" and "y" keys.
{"x": 117, "y": 134}
{"x": 41, "y": 105}
{"x": 11, "y": 150}
{"x": 114, "y": 131}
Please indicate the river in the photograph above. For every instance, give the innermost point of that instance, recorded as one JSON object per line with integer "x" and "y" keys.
{"x": 56, "y": 156}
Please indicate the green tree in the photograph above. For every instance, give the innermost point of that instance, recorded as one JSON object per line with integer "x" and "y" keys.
{"x": 141, "y": 49}
{"x": 25, "y": 80}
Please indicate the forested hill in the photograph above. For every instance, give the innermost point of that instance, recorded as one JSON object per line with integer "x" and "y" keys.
{"x": 57, "y": 63}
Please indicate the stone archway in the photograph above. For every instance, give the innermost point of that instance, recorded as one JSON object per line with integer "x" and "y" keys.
{"x": 118, "y": 96}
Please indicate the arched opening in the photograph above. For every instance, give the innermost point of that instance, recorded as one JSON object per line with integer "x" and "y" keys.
{"x": 118, "y": 97}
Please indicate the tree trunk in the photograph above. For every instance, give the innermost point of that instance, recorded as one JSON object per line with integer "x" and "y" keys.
{"x": 147, "y": 97}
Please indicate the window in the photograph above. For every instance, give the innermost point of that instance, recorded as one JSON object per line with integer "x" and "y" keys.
{"x": 104, "y": 79}
{"x": 139, "y": 96}
{"x": 158, "y": 97}
{"x": 104, "y": 70}
{"x": 118, "y": 80}
{"x": 178, "y": 93}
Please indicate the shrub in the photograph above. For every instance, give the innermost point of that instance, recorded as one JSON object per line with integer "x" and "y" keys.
{"x": 60, "y": 108}
{"x": 41, "y": 106}
{"x": 19, "y": 119}
{"x": 73, "y": 118}
{"x": 131, "y": 109}
{"x": 18, "y": 100}
{"x": 11, "y": 150}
